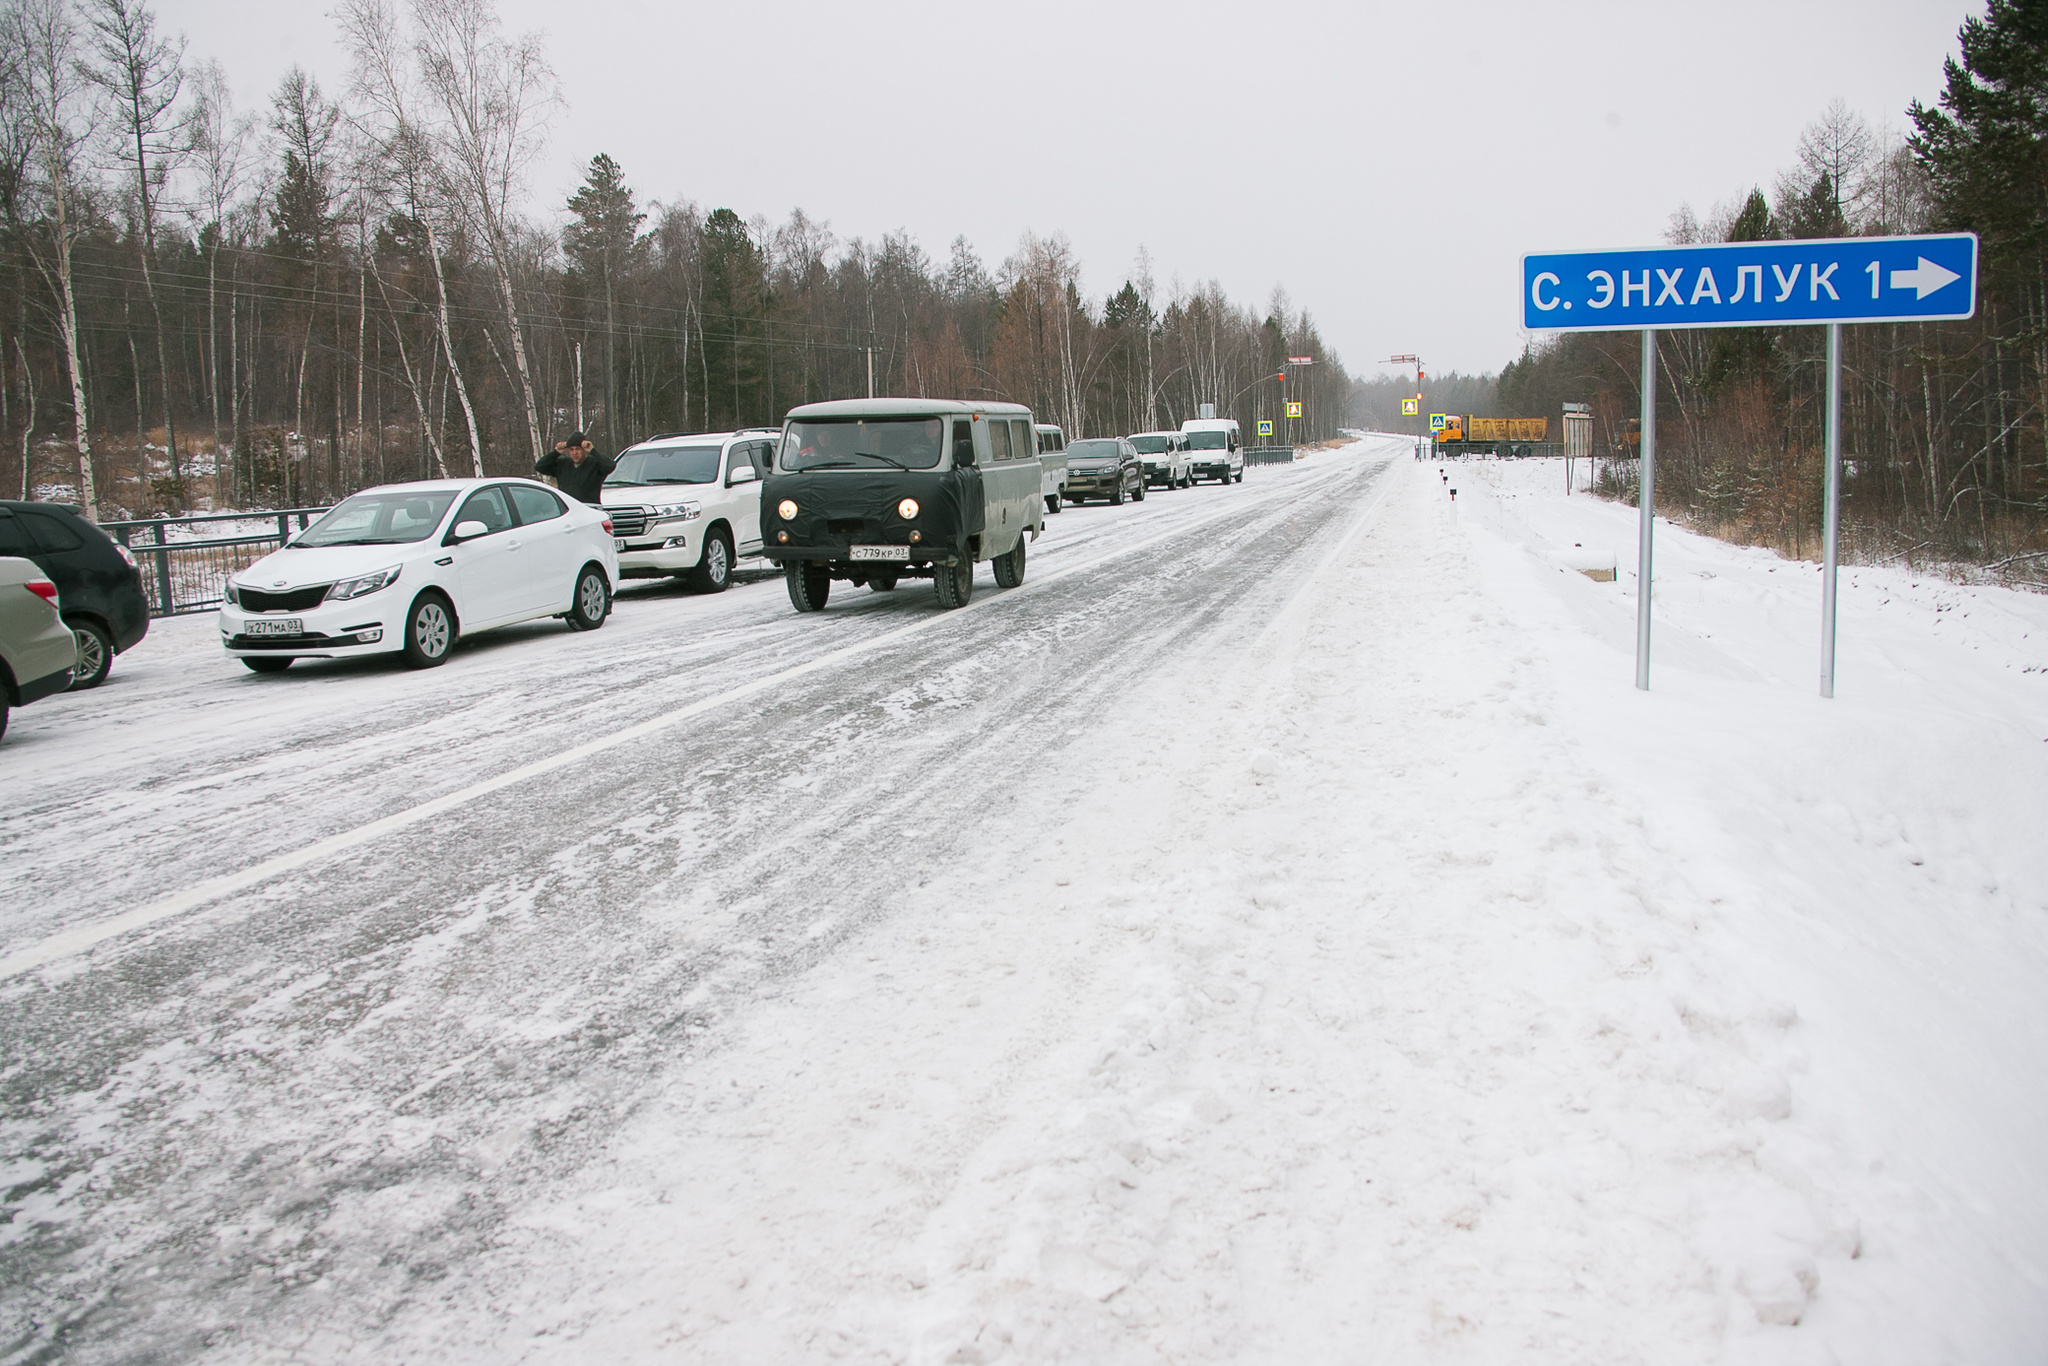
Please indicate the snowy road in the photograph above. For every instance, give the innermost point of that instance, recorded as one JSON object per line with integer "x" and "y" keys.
{"x": 1277, "y": 932}
{"x": 474, "y": 1003}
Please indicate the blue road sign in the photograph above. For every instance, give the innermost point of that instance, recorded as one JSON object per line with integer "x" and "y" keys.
{"x": 1752, "y": 284}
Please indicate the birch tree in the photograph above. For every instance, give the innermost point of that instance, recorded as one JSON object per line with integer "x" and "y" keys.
{"x": 492, "y": 98}
{"x": 384, "y": 78}
{"x": 53, "y": 101}
{"x": 139, "y": 74}
{"x": 221, "y": 149}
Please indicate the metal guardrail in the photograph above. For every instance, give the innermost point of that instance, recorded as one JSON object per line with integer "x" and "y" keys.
{"x": 1269, "y": 455}
{"x": 186, "y": 573}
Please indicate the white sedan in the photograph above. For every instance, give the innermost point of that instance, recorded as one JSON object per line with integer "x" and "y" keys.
{"x": 409, "y": 567}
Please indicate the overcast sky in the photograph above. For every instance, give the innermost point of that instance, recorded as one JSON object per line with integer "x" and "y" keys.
{"x": 1386, "y": 163}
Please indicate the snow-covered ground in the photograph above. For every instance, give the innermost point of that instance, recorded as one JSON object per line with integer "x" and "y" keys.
{"x": 1287, "y": 937}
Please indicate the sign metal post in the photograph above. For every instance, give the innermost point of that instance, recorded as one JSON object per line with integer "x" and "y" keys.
{"x": 1815, "y": 282}
{"x": 1831, "y": 515}
{"x": 1646, "y": 502}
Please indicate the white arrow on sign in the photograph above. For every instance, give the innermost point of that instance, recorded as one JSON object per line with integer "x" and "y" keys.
{"x": 1926, "y": 278}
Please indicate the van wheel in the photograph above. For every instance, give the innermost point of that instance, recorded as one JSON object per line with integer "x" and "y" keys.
{"x": 267, "y": 664}
{"x": 955, "y": 583}
{"x": 1240, "y": 477}
{"x": 95, "y": 657}
{"x": 809, "y": 585}
{"x": 882, "y": 583}
{"x": 714, "y": 567}
{"x": 592, "y": 602}
{"x": 429, "y": 631}
{"x": 1010, "y": 568}
{"x": 1052, "y": 502}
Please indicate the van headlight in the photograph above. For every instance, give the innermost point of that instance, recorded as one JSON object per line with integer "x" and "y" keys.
{"x": 363, "y": 585}
{"x": 907, "y": 509}
{"x": 786, "y": 509}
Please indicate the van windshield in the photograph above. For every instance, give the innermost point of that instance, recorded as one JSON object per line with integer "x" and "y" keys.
{"x": 379, "y": 519}
{"x": 906, "y": 443}
{"x": 1207, "y": 441}
{"x": 1151, "y": 445}
{"x": 1092, "y": 450}
{"x": 667, "y": 465}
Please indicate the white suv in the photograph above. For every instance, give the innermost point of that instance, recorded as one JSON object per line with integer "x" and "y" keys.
{"x": 688, "y": 506}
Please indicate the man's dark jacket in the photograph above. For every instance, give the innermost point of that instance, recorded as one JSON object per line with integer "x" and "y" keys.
{"x": 581, "y": 482}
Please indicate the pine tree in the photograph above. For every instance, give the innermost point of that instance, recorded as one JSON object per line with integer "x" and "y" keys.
{"x": 602, "y": 245}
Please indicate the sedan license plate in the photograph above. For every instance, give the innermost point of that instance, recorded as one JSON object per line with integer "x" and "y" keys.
{"x": 275, "y": 626}
{"x": 880, "y": 552}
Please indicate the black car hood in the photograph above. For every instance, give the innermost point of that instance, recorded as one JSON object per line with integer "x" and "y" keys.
{"x": 842, "y": 507}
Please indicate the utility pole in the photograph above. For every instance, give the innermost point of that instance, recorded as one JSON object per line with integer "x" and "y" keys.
{"x": 1415, "y": 361}
{"x": 871, "y": 369}
{"x": 579, "y": 387}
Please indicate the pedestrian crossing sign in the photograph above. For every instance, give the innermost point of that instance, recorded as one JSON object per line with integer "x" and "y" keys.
{"x": 1293, "y": 408}
{"x": 1265, "y": 426}
{"x": 1410, "y": 407}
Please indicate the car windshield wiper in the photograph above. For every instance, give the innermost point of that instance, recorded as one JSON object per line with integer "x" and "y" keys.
{"x": 624, "y": 483}
{"x": 679, "y": 481}
{"x": 360, "y": 540}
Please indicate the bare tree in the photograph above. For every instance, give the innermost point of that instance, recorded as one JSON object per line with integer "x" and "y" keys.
{"x": 493, "y": 98}
{"x": 43, "y": 41}
{"x": 383, "y": 77}
{"x": 1837, "y": 145}
{"x": 220, "y": 145}
{"x": 140, "y": 74}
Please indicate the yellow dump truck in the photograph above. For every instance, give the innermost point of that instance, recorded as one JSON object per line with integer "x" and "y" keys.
{"x": 1492, "y": 435}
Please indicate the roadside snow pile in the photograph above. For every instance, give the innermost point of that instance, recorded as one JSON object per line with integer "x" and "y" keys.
{"x": 1422, "y": 993}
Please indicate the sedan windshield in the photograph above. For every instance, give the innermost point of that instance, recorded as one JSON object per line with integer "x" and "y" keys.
{"x": 1206, "y": 441}
{"x": 1092, "y": 450}
{"x": 1152, "y": 445}
{"x": 667, "y": 465}
{"x": 906, "y": 443}
{"x": 389, "y": 518}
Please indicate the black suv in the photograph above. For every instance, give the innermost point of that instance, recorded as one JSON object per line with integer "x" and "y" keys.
{"x": 97, "y": 582}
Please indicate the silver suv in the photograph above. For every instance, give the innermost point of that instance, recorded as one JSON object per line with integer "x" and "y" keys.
{"x": 37, "y": 650}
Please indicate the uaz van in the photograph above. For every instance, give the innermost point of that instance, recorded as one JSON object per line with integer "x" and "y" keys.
{"x": 871, "y": 491}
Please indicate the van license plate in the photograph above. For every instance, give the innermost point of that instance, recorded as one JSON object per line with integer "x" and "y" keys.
{"x": 280, "y": 626}
{"x": 881, "y": 552}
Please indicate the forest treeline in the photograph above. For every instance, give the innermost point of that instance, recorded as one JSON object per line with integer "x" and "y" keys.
{"x": 1945, "y": 425}
{"x": 204, "y": 307}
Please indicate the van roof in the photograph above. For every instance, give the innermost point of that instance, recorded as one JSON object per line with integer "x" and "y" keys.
{"x": 1207, "y": 424}
{"x": 904, "y": 407}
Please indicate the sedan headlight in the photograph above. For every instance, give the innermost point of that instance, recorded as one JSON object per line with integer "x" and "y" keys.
{"x": 232, "y": 594}
{"x": 363, "y": 586}
{"x": 907, "y": 509}
{"x": 674, "y": 512}
{"x": 786, "y": 510}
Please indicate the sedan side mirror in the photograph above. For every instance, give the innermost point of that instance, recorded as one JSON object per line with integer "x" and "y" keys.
{"x": 465, "y": 531}
{"x": 742, "y": 474}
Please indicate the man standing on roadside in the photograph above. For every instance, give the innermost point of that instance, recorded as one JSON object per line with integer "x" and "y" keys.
{"x": 576, "y": 469}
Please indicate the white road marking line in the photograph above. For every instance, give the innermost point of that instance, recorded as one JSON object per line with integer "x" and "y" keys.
{"x": 65, "y": 943}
